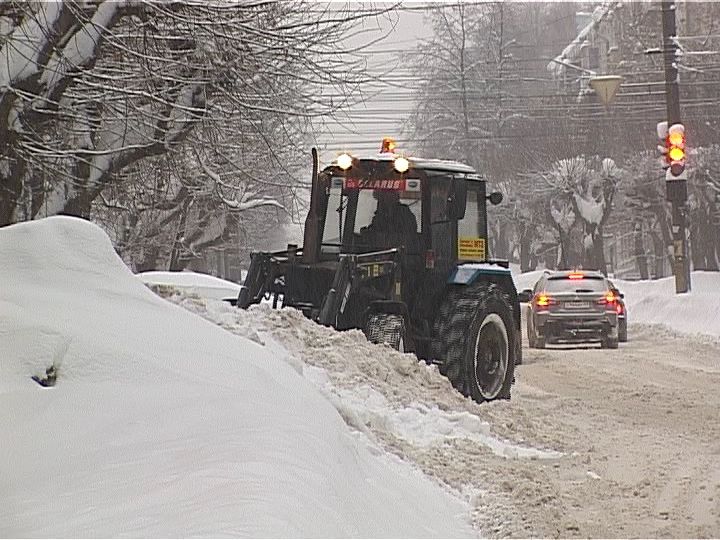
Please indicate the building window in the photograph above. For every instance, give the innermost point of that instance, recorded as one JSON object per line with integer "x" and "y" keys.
{"x": 593, "y": 57}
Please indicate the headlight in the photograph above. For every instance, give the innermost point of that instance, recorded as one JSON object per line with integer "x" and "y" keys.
{"x": 401, "y": 164}
{"x": 344, "y": 161}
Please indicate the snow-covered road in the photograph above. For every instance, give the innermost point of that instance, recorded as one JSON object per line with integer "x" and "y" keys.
{"x": 594, "y": 443}
{"x": 641, "y": 433}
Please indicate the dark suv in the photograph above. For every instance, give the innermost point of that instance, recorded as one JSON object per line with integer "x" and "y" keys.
{"x": 572, "y": 307}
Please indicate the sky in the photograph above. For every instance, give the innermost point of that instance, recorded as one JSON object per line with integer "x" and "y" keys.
{"x": 183, "y": 416}
{"x": 387, "y": 104}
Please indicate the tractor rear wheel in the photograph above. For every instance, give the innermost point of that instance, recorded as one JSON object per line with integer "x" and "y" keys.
{"x": 477, "y": 341}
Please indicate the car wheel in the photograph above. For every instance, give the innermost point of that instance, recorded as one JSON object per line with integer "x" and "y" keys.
{"x": 609, "y": 343}
{"x": 539, "y": 340}
{"x": 622, "y": 331}
{"x": 530, "y": 330}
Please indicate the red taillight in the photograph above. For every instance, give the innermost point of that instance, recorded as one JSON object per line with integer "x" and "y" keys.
{"x": 610, "y": 300}
{"x": 619, "y": 308}
{"x": 576, "y": 275}
{"x": 544, "y": 300}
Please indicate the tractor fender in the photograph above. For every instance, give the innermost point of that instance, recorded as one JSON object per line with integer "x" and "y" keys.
{"x": 469, "y": 273}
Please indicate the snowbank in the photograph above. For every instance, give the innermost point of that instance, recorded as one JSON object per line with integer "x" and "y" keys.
{"x": 202, "y": 285}
{"x": 655, "y": 302}
{"x": 163, "y": 424}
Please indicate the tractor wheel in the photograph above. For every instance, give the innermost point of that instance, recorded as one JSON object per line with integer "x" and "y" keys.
{"x": 479, "y": 341}
{"x": 386, "y": 328}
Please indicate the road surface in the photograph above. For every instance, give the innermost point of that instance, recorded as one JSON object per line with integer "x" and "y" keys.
{"x": 640, "y": 430}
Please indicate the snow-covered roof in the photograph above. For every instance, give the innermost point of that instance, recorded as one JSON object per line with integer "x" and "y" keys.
{"x": 559, "y": 64}
{"x": 417, "y": 162}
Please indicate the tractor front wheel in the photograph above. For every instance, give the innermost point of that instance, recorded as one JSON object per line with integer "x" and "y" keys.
{"x": 386, "y": 328}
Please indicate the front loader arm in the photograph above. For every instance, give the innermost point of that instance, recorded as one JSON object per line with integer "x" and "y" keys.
{"x": 339, "y": 291}
{"x": 258, "y": 280}
{"x": 353, "y": 271}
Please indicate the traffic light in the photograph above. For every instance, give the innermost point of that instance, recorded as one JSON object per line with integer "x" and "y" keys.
{"x": 676, "y": 154}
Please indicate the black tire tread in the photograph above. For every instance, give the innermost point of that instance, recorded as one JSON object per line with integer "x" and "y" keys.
{"x": 385, "y": 328}
{"x": 453, "y": 323}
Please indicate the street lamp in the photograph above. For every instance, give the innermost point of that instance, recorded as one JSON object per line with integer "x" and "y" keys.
{"x": 605, "y": 86}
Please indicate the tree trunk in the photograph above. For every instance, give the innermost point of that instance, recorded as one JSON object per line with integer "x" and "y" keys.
{"x": 149, "y": 261}
{"x": 663, "y": 224}
{"x": 639, "y": 252}
{"x": 597, "y": 254}
{"x": 697, "y": 243}
{"x": 176, "y": 254}
{"x": 502, "y": 244}
{"x": 660, "y": 255}
{"x": 526, "y": 264}
{"x": 11, "y": 190}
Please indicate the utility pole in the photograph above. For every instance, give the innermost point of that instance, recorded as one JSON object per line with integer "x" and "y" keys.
{"x": 676, "y": 181}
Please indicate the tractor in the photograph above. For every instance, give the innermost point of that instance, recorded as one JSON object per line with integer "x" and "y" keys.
{"x": 398, "y": 247}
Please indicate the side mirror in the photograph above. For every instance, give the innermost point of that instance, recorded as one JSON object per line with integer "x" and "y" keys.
{"x": 525, "y": 295}
{"x": 457, "y": 198}
{"x": 495, "y": 198}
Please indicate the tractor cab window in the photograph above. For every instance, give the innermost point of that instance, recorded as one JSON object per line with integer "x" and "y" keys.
{"x": 386, "y": 218}
{"x": 472, "y": 233}
{"x": 373, "y": 204}
{"x": 336, "y": 205}
{"x": 361, "y": 219}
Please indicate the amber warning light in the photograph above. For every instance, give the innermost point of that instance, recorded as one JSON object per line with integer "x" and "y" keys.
{"x": 388, "y": 145}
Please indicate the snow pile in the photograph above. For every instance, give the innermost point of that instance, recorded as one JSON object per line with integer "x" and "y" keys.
{"x": 655, "y": 302}
{"x": 526, "y": 280}
{"x": 374, "y": 387}
{"x": 193, "y": 283}
{"x": 162, "y": 424}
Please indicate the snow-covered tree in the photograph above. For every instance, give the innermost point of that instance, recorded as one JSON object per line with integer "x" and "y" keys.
{"x": 582, "y": 192}
{"x": 88, "y": 89}
{"x": 704, "y": 207}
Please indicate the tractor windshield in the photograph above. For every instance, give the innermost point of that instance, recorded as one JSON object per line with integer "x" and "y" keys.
{"x": 362, "y": 219}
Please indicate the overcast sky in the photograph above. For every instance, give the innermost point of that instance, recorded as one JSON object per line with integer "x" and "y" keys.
{"x": 387, "y": 103}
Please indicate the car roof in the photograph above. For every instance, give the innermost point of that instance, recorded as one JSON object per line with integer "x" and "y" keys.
{"x": 565, "y": 274}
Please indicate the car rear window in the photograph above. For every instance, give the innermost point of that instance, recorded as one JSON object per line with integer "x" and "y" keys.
{"x": 588, "y": 283}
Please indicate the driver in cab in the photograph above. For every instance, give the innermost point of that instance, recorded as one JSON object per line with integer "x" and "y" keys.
{"x": 393, "y": 224}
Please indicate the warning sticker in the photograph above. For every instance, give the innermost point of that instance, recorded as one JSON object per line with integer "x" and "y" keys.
{"x": 471, "y": 248}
